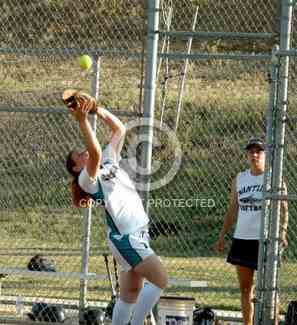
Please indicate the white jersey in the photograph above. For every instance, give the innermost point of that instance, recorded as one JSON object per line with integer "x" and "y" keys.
{"x": 113, "y": 187}
{"x": 249, "y": 190}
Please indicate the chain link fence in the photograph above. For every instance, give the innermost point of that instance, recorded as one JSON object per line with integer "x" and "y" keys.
{"x": 287, "y": 267}
{"x": 223, "y": 103}
{"x": 40, "y": 46}
{"x": 225, "y": 16}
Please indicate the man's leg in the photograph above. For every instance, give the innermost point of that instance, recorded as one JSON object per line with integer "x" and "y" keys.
{"x": 245, "y": 278}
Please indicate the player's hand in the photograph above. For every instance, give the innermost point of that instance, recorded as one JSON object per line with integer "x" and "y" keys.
{"x": 100, "y": 111}
{"x": 80, "y": 113}
{"x": 220, "y": 245}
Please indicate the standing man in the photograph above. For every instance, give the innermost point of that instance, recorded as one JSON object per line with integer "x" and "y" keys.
{"x": 245, "y": 209}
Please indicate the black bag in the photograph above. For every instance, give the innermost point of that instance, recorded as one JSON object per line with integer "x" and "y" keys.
{"x": 44, "y": 312}
{"x": 92, "y": 316}
{"x": 291, "y": 315}
{"x": 40, "y": 263}
{"x": 203, "y": 316}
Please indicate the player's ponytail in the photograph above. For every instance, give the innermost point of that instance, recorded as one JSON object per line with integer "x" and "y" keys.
{"x": 80, "y": 198}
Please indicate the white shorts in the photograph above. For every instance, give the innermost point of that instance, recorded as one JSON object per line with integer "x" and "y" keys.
{"x": 130, "y": 250}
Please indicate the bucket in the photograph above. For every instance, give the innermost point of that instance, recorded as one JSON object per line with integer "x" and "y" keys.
{"x": 175, "y": 310}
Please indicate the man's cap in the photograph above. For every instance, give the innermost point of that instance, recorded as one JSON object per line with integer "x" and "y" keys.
{"x": 255, "y": 142}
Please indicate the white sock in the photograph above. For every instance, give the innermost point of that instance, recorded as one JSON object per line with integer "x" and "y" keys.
{"x": 148, "y": 297}
{"x": 122, "y": 312}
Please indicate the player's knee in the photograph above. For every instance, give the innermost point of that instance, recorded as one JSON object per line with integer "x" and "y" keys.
{"x": 165, "y": 281}
{"x": 162, "y": 282}
{"x": 132, "y": 294}
{"x": 246, "y": 291}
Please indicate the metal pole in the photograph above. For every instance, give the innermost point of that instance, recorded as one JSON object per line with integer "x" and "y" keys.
{"x": 95, "y": 86}
{"x": 88, "y": 212}
{"x": 85, "y": 259}
{"x": 217, "y": 35}
{"x": 149, "y": 92}
{"x": 265, "y": 215}
{"x": 271, "y": 298}
{"x": 166, "y": 42}
{"x": 182, "y": 84}
{"x": 215, "y": 56}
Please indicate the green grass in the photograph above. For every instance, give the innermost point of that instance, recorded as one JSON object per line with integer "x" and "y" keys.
{"x": 221, "y": 292}
{"x": 224, "y": 103}
{"x": 223, "y": 106}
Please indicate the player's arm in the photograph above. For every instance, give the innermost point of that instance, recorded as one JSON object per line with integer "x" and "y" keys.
{"x": 284, "y": 221}
{"x": 230, "y": 216}
{"x": 117, "y": 127}
{"x": 89, "y": 138}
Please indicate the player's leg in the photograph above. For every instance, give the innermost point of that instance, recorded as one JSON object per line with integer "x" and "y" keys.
{"x": 130, "y": 285}
{"x": 245, "y": 278}
{"x": 133, "y": 252}
{"x": 154, "y": 272}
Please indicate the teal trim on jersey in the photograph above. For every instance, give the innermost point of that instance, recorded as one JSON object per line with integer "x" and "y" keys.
{"x": 126, "y": 250}
{"x": 110, "y": 223}
{"x": 99, "y": 195}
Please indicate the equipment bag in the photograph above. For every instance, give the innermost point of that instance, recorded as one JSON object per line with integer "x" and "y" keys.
{"x": 40, "y": 263}
{"x": 44, "y": 312}
{"x": 92, "y": 316}
{"x": 203, "y": 316}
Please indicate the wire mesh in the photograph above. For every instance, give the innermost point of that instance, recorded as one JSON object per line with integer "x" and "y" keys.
{"x": 223, "y": 104}
{"x": 226, "y": 16}
{"x": 287, "y": 269}
{"x": 80, "y": 24}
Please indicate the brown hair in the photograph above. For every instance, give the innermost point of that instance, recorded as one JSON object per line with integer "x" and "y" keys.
{"x": 80, "y": 198}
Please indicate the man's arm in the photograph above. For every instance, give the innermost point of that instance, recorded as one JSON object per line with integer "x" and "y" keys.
{"x": 230, "y": 217}
{"x": 284, "y": 215}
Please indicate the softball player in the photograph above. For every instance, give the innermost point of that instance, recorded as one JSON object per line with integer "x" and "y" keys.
{"x": 98, "y": 176}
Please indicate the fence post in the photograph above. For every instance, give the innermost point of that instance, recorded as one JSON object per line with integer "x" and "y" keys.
{"x": 149, "y": 93}
{"x": 184, "y": 72}
{"x": 265, "y": 216}
{"x": 271, "y": 283}
{"x": 88, "y": 212}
